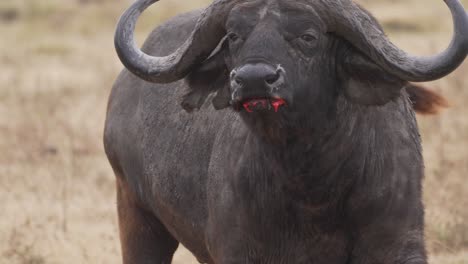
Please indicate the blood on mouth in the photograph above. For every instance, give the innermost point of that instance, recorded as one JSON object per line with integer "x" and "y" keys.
{"x": 252, "y": 104}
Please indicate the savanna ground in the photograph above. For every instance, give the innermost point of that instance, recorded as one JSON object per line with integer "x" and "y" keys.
{"x": 57, "y": 65}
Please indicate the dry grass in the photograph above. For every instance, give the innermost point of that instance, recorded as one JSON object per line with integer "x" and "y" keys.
{"x": 56, "y": 188}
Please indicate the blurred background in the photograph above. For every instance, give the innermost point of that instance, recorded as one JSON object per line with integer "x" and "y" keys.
{"x": 57, "y": 66}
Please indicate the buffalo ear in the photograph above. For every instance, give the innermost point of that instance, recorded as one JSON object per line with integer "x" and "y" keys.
{"x": 366, "y": 83}
{"x": 210, "y": 77}
{"x": 425, "y": 101}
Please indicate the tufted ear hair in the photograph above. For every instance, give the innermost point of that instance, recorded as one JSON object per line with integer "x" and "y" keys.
{"x": 364, "y": 82}
{"x": 210, "y": 77}
{"x": 425, "y": 101}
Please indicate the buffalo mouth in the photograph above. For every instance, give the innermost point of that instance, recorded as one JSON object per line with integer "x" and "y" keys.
{"x": 251, "y": 105}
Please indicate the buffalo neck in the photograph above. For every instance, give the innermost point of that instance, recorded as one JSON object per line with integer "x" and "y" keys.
{"x": 318, "y": 162}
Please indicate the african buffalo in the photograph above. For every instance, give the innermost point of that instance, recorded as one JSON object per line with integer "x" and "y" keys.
{"x": 304, "y": 147}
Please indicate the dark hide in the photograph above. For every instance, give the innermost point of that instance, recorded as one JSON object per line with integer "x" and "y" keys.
{"x": 210, "y": 77}
{"x": 333, "y": 178}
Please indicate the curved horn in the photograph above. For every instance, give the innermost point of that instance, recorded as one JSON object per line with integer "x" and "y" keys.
{"x": 208, "y": 31}
{"x": 359, "y": 28}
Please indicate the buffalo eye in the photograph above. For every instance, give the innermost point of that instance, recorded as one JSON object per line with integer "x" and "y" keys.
{"x": 307, "y": 43}
{"x": 308, "y": 38}
{"x": 233, "y": 37}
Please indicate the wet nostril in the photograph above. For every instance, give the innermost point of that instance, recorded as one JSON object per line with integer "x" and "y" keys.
{"x": 272, "y": 78}
{"x": 258, "y": 76}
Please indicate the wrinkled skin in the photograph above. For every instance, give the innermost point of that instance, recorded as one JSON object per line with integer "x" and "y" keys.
{"x": 334, "y": 177}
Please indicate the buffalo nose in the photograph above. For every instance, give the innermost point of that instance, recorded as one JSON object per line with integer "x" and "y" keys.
{"x": 258, "y": 75}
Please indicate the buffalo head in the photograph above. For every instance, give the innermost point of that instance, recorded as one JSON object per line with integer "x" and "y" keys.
{"x": 287, "y": 56}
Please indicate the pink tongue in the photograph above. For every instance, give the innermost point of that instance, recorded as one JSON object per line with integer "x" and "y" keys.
{"x": 276, "y": 103}
{"x": 253, "y": 103}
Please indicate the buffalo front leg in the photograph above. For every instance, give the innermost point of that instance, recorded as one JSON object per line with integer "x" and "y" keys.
{"x": 383, "y": 249}
{"x": 143, "y": 238}
{"x": 397, "y": 239}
